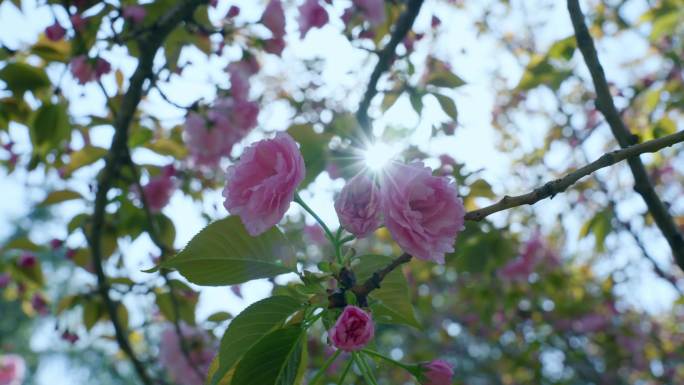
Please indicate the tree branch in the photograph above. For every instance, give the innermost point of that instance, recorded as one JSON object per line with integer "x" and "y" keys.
{"x": 605, "y": 104}
{"x": 117, "y": 155}
{"x": 548, "y": 190}
{"x": 385, "y": 59}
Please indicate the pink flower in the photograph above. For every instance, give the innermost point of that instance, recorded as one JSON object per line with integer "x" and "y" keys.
{"x": 422, "y": 212}
{"x": 55, "y": 32}
{"x": 135, "y": 13}
{"x": 12, "y": 369}
{"x": 201, "y": 352}
{"x": 39, "y": 304}
{"x": 353, "y": 330}
{"x": 315, "y": 234}
{"x": 437, "y": 372}
{"x": 205, "y": 143}
{"x": 81, "y": 69}
{"x": 274, "y": 46}
{"x": 78, "y": 22}
{"x": 70, "y": 337}
{"x": 240, "y": 72}
{"x": 5, "y": 280}
{"x": 274, "y": 18}
{"x": 56, "y": 243}
{"x": 159, "y": 189}
{"x": 435, "y": 22}
{"x": 260, "y": 187}
{"x": 27, "y": 260}
{"x": 84, "y": 71}
{"x": 358, "y": 206}
{"x": 591, "y": 323}
{"x": 233, "y": 11}
{"x": 533, "y": 252}
{"x": 102, "y": 67}
{"x": 373, "y": 10}
{"x": 311, "y": 15}
{"x": 227, "y": 122}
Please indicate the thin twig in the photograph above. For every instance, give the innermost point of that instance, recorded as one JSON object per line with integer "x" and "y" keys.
{"x": 550, "y": 189}
{"x": 605, "y": 104}
{"x": 385, "y": 59}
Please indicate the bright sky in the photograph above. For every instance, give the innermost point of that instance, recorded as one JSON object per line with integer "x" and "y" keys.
{"x": 473, "y": 57}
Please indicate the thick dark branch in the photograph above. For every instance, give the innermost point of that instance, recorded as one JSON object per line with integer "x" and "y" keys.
{"x": 385, "y": 59}
{"x": 118, "y": 154}
{"x": 605, "y": 104}
{"x": 549, "y": 189}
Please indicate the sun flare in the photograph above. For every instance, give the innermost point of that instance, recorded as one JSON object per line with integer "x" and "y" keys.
{"x": 378, "y": 155}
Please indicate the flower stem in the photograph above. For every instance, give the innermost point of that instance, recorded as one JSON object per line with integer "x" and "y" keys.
{"x": 363, "y": 367}
{"x": 347, "y": 239}
{"x": 322, "y": 370}
{"x": 408, "y": 368}
{"x": 318, "y": 219}
{"x": 344, "y": 373}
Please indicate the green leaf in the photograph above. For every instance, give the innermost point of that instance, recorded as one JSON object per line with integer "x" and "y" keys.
{"x": 600, "y": 225}
{"x": 274, "y": 360}
{"x": 563, "y": 49}
{"x": 313, "y": 147}
{"x": 186, "y": 307}
{"x": 60, "y": 196}
{"x": 393, "y": 301}
{"x": 50, "y": 127}
{"x": 448, "y": 105}
{"x": 445, "y": 78}
{"x": 479, "y": 248}
{"x": 249, "y": 327}
{"x": 84, "y": 157}
{"x": 389, "y": 99}
{"x": 220, "y": 316}
{"x": 22, "y": 77}
{"x": 223, "y": 253}
{"x": 416, "y": 99}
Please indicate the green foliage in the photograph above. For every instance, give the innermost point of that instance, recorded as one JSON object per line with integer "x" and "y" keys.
{"x": 391, "y": 303}
{"x": 274, "y": 360}
{"x": 223, "y": 253}
{"x": 22, "y": 77}
{"x": 249, "y": 327}
{"x": 314, "y": 150}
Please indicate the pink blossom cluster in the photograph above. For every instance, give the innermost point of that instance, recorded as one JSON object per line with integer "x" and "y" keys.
{"x": 371, "y": 10}
{"x": 228, "y": 120}
{"x": 12, "y": 369}
{"x": 311, "y": 15}
{"x": 534, "y": 252}
{"x": 200, "y": 353}
{"x": 159, "y": 189}
{"x": 86, "y": 70}
{"x": 422, "y": 212}
{"x": 273, "y": 18}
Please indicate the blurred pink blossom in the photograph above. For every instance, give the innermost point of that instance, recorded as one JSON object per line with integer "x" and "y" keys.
{"x": 436, "y": 372}
{"x": 201, "y": 352}
{"x": 12, "y": 369}
{"x": 55, "y": 32}
{"x": 135, "y": 13}
{"x": 311, "y": 15}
